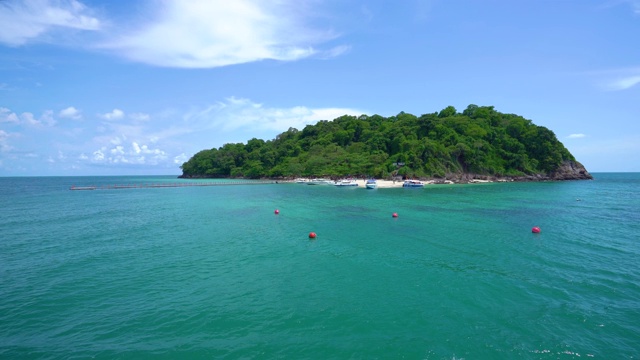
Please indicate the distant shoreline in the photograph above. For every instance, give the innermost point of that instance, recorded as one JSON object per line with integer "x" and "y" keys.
{"x": 386, "y": 183}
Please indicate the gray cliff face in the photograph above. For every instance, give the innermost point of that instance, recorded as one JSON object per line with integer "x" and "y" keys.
{"x": 568, "y": 170}
{"x": 571, "y": 170}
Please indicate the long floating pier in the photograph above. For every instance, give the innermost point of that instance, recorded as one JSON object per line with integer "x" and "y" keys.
{"x": 174, "y": 185}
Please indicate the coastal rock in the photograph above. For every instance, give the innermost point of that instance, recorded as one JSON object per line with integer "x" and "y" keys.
{"x": 571, "y": 170}
{"x": 568, "y": 170}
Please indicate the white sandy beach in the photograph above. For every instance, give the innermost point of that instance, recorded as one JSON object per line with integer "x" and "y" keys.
{"x": 387, "y": 184}
{"x": 381, "y": 183}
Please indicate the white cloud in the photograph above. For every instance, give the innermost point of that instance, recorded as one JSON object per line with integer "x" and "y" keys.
{"x": 234, "y": 114}
{"x": 576, "y": 136}
{"x": 635, "y": 6}
{"x": 135, "y": 154}
{"x": 47, "y": 118}
{"x": 27, "y": 118}
{"x": 4, "y": 142}
{"x": 617, "y": 79}
{"x": 163, "y": 143}
{"x": 26, "y": 20}
{"x": 204, "y": 33}
{"x": 70, "y": 113}
{"x": 624, "y": 83}
{"x": 180, "y": 159}
{"x": 113, "y": 115}
{"x": 6, "y": 116}
{"x": 98, "y": 155}
{"x": 118, "y": 150}
{"x": 139, "y": 117}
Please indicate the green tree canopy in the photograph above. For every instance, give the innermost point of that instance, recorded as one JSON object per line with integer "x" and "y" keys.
{"x": 480, "y": 140}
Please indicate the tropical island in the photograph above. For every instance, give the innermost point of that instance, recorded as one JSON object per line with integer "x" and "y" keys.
{"x": 478, "y": 144}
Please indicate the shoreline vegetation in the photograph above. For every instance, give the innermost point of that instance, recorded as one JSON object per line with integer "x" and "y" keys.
{"x": 478, "y": 145}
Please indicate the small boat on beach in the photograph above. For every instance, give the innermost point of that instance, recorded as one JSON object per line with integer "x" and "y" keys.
{"x": 371, "y": 184}
{"x": 412, "y": 184}
{"x": 346, "y": 182}
{"x": 319, "y": 181}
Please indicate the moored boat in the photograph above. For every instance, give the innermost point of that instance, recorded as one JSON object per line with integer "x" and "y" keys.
{"x": 371, "y": 184}
{"x": 346, "y": 182}
{"x": 413, "y": 184}
{"x": 319, "y": 181}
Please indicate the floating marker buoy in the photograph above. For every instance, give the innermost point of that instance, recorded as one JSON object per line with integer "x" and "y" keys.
{"x": 277, "y": 212}
{"x": 312, "y": 235}
{"x": 395, "y": 215}
{"x": 535, "y": 230}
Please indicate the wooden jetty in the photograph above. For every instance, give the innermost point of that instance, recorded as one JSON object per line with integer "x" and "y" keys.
{"x": 175, "y": 185}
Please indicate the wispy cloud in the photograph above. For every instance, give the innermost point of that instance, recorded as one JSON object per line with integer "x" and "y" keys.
{"x": 624, "y": 83}
{"x": 576, "y": 136}
{"x": 236, "y": 113}
{"x": 27, "y": 20}
{"x": 617, "y": 79}
{"x": 203, "y": 34}
{"x": 635, "y": 6}
{"x": 4, "y": 141}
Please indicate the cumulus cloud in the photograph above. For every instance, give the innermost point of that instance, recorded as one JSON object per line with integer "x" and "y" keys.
{"x": 6, "y": 116}
{"x": 70, "y": 113}
{"x": 27, "y": 118}
{"x": 204, "y": 33}
{"x": 134, "y": 154}
{"x": 113, "y": 115}
{"x": 26, "y": 20}
{"x": 234, "y": 113}
{"x": 98, "y": 155}
{"x": 576, "y": 136}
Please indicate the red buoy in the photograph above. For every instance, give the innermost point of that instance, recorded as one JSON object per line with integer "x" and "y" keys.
{"x": 535, "y": 230}
{"x": 312, "y": 235}
{"x": 277, "y": 212}
{"x": 395, "y": 215}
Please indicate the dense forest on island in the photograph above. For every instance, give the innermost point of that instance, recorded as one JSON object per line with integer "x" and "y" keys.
{"x": 478, "y": 142}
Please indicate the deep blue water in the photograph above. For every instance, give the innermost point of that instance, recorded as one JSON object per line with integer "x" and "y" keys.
{"x": 212, "y": 272}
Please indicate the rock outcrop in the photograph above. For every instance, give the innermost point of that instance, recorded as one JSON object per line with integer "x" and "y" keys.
{"x": 570, "y": 170}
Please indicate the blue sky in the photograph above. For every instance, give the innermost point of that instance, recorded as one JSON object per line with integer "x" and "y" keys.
{"x": 126, "y": 87}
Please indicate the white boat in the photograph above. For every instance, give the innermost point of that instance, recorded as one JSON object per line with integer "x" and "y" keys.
{"x": 319, "y": 181}
{"x": 346, "y": 182}
{"x": 371, "y": 184}
{"x": 412, "y": 184}
{"x": 301, "y": 181}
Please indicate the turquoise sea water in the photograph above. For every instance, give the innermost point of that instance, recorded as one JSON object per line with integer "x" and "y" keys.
{"x": 213, "y": 273}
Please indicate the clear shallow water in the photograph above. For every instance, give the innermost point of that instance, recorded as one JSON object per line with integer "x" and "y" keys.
{"x": 212, "y": 272}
